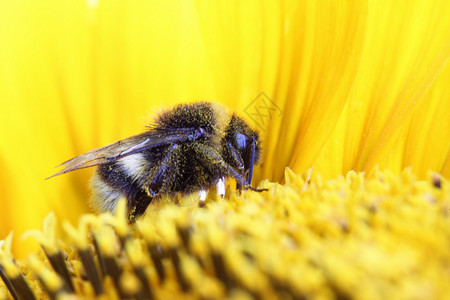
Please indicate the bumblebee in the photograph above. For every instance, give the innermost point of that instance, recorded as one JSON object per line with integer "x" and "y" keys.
{"x": 188, "y": 148}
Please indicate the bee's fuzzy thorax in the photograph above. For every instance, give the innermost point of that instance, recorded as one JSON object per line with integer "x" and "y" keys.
{"x": 212, "y": 117}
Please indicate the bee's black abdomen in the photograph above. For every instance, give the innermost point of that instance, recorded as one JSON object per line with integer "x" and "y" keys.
{"x": 119, "y": 182}
{"x": 114, "y": 176}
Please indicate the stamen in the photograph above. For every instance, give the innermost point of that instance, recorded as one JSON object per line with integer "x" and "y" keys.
{"x": 297, "y": 241}
{"x": 14, "y": 279}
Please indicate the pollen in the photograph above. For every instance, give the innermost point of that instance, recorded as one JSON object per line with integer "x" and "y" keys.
{"x": 365, "y": 236}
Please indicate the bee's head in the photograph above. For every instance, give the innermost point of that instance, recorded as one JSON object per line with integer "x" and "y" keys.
{"x": 241, "y": 138}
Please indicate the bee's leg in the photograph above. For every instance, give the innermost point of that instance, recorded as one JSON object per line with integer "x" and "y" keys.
{"x": 138, "y": 205}
{"x": 238, "y": 177}
{"x": 234, "y": 155}
{"x": 144, "y": 197}
{"x": 214, "y": 158}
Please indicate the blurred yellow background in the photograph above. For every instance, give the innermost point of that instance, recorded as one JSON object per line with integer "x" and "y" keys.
{"x": 347, "y": 85}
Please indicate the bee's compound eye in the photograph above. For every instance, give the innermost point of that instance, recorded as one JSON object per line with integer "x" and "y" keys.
{"x": 241, "y": 140}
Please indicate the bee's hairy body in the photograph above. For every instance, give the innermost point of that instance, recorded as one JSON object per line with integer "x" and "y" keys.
{"x": 220, "y": 144}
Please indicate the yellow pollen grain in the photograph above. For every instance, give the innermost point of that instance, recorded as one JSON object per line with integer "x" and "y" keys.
{"x": 129, "y": 283}
{"x": 107, "y": 241}
{"x": 135, "y": 252}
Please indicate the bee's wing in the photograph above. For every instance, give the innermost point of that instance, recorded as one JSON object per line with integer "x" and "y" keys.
{"x": 125, "y": 147}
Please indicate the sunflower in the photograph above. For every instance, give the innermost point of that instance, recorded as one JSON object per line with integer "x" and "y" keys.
{"x": 352, "y": 97}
